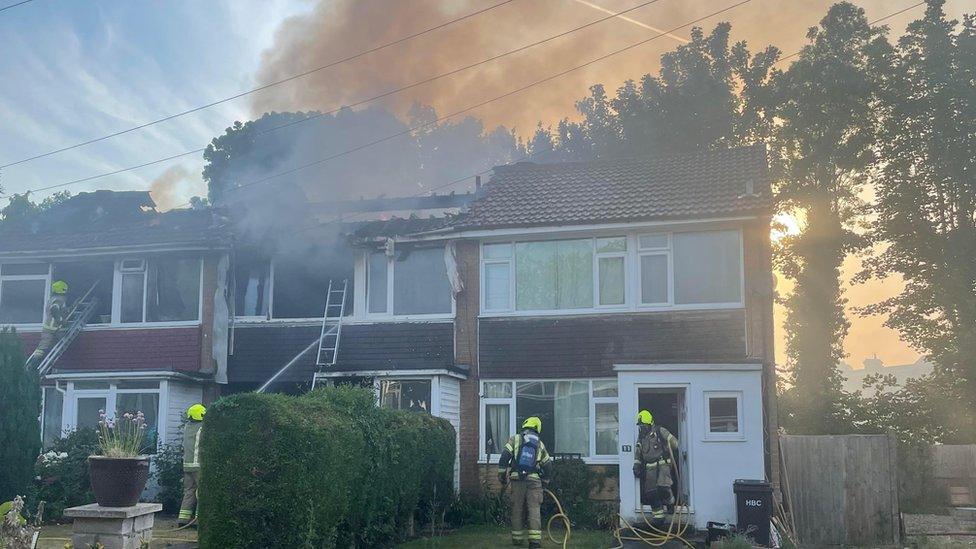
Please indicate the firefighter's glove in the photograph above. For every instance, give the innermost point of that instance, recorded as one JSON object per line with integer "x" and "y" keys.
{"x": 502, "y": 478}
{"x": 637, "y": 470}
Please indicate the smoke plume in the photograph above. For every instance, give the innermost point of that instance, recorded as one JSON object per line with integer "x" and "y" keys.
{"x": 173, "y": 187}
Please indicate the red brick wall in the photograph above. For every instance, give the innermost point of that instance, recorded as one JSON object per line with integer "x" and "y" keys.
{"x": 466, "y": 353}
{"x": 167, "y": 349}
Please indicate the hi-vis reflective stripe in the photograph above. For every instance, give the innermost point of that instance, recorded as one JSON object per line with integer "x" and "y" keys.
{"x": 184, "y": 514}
{"x": 535, "y": 534}
{"x": 518, "y": 535}
{"x": 666, "y": 461}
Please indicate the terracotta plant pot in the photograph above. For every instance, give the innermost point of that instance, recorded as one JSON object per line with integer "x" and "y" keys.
{"x": 118, "y": 482}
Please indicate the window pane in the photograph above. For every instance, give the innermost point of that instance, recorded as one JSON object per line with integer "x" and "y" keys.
{"x": 563, "y": 407}
{"x": 411, "y": 395}
{"x": 132, "y": 299}
{"x": 22, "y": 301}
{"x": 301, "y": 281}
{"x": 535, "y": 275}
{"x": 81, "y": 276}
{"x": 24, "y": 269}
{"x": 605, "y": 388}
{"x": 575, "y": 270}
{"x": 607, "y": 425}
{"x": 420, "y": 284}
{"x": 53, "y": 406}
{"x": 378, "y": 264}
{"x": 653, "y": 241}
{"x": 135, "y": 385}
{"x": 497, "y": 427}
{"x": 613, "y": 244}
{"x": 654, "y": 278}
{"x": 497, "y": 286}
{"x": 89, "y": 409}
{"x": 252, "y": 276}
{"x": 706, "y": 267}
{"x": 611, "y": 281}
{"x": 148, "y": 404}
{"x": 91, "y": 386}
{"x": 723, "y": 415}
{"x": 174, "y": 290}
{"x": 498, "y": 251}
{"x": 497, "y": 389}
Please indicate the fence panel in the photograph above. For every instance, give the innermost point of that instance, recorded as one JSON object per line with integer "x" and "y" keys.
{"x": 844, "y": 489}
{"x": 954, "y": 472}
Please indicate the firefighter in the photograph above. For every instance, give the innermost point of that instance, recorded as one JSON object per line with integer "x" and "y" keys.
{"x": 525, "y": 463}
{"x": 191, "y": 462}
{"x": 57, "y": 311}
{"x": 652, "y": 464}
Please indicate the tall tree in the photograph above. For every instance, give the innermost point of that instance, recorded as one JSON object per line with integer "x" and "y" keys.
{"x": 20, "y": 406}
{"x": 926, "y": 193}
{"x": 822, "y": 148}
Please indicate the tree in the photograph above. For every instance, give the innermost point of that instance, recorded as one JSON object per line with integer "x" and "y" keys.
{"x": 20, "y": 408}
{"x": 706, "y": 95}
{"x": 20, "y": 211}
{"x": 822, "y": 147}
{"x": 926, "y": 193}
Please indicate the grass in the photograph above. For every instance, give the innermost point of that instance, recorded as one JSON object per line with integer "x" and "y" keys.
{"x": 492, "y": 537}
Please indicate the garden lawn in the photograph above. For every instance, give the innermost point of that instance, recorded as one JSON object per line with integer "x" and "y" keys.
{"x": 492, "y": 537}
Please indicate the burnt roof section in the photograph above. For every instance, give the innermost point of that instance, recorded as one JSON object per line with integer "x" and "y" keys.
{"x": 380, "y": 204}
{"x": 714, "y": 183}
{"x": 399, "y": 226}
{"x": 112, "y": 219}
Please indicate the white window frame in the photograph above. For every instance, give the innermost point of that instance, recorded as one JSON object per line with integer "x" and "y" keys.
{"x": 632, "y": 267}
{"x": 597, "y": 256}
{"x": 47, "y": 289}
{"x": 710, "y": 436}
{"x": 434, "y": 381}
{"x": 592, "y": 458}
{"x": 117, "y": 297}
{"x": 390, "y": 275}
{"x": 261, "y": 318}
{"x": 69, "y": 409}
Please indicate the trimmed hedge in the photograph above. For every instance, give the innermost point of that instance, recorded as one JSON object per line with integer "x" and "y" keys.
{"x": 326, "y": 469}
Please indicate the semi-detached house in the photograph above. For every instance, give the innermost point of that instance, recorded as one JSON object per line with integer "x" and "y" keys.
{"x": 576, "y": 292}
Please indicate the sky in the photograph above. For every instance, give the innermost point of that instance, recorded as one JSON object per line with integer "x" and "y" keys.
{"x": 72, "y": 70}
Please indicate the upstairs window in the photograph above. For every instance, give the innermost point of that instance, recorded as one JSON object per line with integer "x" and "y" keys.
{"x": 162, "y": 289}
{"x": 707, "y": 267}
{"x": 414, "y": 282}
{"x": 23, "y": 292}
{"x": 554, "y": 275}
{"x": 252, "y": 292}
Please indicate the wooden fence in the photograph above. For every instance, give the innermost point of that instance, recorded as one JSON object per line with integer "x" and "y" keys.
{"x": 843, "y": 489}
{"x": 954, "y": 473}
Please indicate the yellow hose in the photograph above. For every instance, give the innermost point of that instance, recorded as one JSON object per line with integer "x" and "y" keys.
{"x": 655, "y": 537}
{"x": 561, "y": 515}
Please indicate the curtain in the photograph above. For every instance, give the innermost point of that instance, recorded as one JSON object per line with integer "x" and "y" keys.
{"x": 497, "y": 429}
{"x": 572, "y": 417}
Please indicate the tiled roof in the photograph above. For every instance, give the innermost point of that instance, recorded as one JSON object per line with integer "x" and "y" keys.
{"x": 400, "y": 226}
{"x": 715, "y": 183}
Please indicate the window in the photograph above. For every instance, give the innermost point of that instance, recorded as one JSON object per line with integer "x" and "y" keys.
{"x": 83, "y": 276}
{"x": 252, "y": 277}
{"x": 723, "y": 415}
{"x": 707, "y": 267}
{"x": 612, "y": 273}
{"x": 414, "y": 281}
{"x": 554, "y": 275}
{"x": 23, "y": 292}
{"x": 654, "y": 256}
{"x": 85, "y": 401}
{"x": 164, "y": 289}
{"x": 51, "y": 418}
{"x": 412, "y": 395}
{"x": 497, "y": 277}
{"x": 578, "y": 416}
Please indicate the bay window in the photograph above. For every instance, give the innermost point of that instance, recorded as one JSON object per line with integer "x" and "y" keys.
{"x": 412, "y": 282}
{"x": 413, "y": 395}
{"x": 23, "y": 292}
{"x": 642, "y": 270}
{"x": 84, "y": 402}
{"x": 579, "y": 417}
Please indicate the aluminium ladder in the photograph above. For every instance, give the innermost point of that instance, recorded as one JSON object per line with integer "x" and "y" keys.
{"x": 332, "y": 324}
{"x": 81, "y": 312}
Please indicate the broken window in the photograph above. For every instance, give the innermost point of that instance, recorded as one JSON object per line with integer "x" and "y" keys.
{"x": 84, "y": 275}
{"x": 163, "y": 289}
{"x": 301, "y": 283}
{"x": 420, "y": 284}
{"x": 252, "y": 274}
{"x": 377, "y": 283}
{"x": 23, "y": 292}
{"x": 412, "y": 395}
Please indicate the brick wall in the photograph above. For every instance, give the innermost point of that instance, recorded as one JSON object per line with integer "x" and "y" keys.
{"x": 466, "y": 353}
{"x": 165, "y": 349}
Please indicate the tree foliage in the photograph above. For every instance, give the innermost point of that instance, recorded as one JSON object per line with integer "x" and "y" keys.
{"x": 925, "y": 183}
{"x": 20, "y": 210}
{"x": 822, "y": 148}
{"x": 20, "y": 406}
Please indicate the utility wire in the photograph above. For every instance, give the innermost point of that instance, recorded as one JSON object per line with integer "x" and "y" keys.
{"x": 252, "y": 90}
{"x": 482, "y": 103}
{"x": 14, "y": 5}
{"x": 357, "y": 103}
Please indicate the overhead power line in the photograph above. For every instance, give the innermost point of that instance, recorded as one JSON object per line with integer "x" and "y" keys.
{"x": 482, "y": 103}
{"x": 357, "y": 103}
{"x": 252, "y": 90}
{"x": 14, "y": 5}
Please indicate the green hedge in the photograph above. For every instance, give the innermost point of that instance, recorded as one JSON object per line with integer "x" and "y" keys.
{"x": 326, "y": 469}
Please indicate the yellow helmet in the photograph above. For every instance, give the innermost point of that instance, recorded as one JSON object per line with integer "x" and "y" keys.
{"x": 59, "y": 287}
{"x": 196, "y": 412}
{"x": 645, "y": 418}
{"x": 533, "y": 423}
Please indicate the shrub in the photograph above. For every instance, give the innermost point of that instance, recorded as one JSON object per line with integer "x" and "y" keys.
{"x": 62, "y": 472}
{"x": 169, "y": 477}
{"x": 486, "y": 508}
{"x": 324, "y": 469}
{"x": 573, "y": 482}
{"x": 20, "y": 406}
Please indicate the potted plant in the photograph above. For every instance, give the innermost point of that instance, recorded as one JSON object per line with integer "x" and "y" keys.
{"x": 119, "y": 473}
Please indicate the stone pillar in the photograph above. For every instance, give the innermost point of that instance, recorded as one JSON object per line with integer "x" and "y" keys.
{"x": 113, "y": 527}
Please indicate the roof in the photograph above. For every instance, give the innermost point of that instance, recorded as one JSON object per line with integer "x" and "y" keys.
{"x": 704, "y": 184}
{"x": 400, "y": 226}
{"x": 107, "y": 219}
